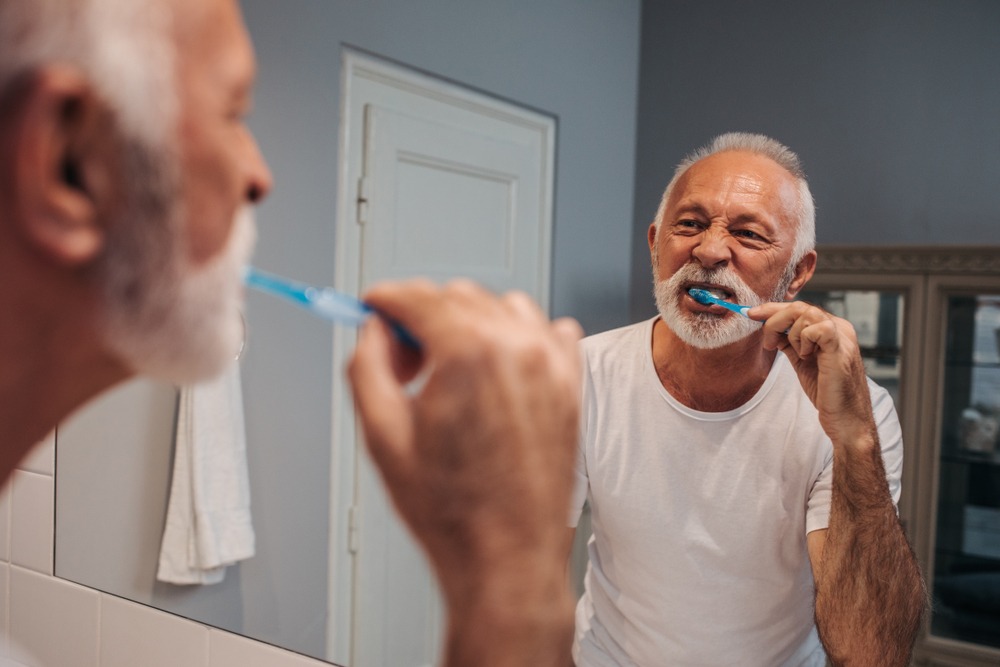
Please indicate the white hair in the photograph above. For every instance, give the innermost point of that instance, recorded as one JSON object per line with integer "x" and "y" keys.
{"x": 162, "y": 315}
{"x": 123, "y": 46}
{"x": 757, "y": 144}
{"x": 126, "y": 51}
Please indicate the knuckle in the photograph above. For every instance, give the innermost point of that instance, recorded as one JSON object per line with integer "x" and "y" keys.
{"x": 463, "y": 287}
{"x": 519, "y": 300}
{"x": 569, "y": 330}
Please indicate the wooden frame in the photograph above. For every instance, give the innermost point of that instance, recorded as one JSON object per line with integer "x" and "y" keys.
{"x": 926, "y": 276}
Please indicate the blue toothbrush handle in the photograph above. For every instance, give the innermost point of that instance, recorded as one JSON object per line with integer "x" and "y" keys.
{"x": 402, "y": 335}
{"x": 735, "y": 307}
{"x": 324, "y": 302}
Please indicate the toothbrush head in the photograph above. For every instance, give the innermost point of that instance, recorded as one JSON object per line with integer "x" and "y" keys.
{"x": 702, "y": 296}
{"x": 706, "y": 298}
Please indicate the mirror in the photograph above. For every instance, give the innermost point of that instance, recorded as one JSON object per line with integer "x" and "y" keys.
{"x": 114, "y": 459}
{"x": 899, "y": 160}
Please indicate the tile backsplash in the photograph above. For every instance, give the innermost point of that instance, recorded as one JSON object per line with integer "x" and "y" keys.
{"x": 62, "y": 624}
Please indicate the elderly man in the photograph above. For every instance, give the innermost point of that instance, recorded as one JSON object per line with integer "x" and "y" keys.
{"x": 126, "y": 173}
{"x": 743, "y": 500}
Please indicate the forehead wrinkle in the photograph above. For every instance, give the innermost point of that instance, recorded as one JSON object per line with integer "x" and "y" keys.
{"x": 691, "y": 207}
{"x": 745, "y": 193}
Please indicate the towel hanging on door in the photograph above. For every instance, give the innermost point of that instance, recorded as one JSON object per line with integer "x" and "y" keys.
{"x": 208, "y": 525}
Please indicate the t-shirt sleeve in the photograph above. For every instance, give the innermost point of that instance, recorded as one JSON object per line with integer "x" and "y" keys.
{"x": 890, "y": 436}
{"x": 580, "y": 484}
{"x": 818, "y": 506}
{"x": 581, "y": 481}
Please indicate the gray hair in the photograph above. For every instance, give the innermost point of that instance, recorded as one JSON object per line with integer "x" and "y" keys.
{"x": 126, "y": 50}
{"x": 123, "y": 46}
{"x": 758, "y": 144}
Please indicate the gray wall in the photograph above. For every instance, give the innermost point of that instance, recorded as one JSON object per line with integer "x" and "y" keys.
{"x": 575, "y": 60}
{"x": 894, "y": 108}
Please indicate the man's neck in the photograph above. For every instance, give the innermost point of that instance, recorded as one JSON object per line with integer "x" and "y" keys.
{"x": 714, "y": 380}
{"x": 49, "y": 366}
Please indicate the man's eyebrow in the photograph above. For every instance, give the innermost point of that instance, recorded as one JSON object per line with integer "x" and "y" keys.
{"x": 691, "y": 208}
{"x": 694, "y": 208}
{"x": 749, "y": 217}
{"x": 763, "y": 217}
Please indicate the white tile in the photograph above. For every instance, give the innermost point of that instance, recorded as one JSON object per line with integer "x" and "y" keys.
{"x": 5, "y": 522}
{"x": 133, "y": 634}
{"x": 42, "y": 457}
{"x": 4, "y": 606}
{"x": 32, "y": 525}
{"x": 230, "y": 650}
{"x": 53, "y": 620}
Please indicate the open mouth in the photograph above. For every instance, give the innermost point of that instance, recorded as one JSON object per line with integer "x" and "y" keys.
{"x": 714, "y": 290}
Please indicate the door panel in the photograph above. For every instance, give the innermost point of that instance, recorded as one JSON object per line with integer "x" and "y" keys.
{"x": 453, "y": 200}
{"x": 445, "y": 183}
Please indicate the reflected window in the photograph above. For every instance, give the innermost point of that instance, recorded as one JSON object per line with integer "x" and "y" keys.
{"x": 967, "y": 547}
{"x": 877, "y": 317}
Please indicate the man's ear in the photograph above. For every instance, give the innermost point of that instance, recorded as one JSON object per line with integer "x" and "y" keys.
{"x": 61, "y": 162}
{"x": 803, "y": 272}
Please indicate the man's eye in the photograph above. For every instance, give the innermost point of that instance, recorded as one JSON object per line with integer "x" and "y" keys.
{"x": 688, "y": 224}
{"x": 748, "y": 234}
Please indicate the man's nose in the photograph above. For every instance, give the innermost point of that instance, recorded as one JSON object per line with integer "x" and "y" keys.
{"x": 259, "y": 179}
{"x": 713, "y": 249}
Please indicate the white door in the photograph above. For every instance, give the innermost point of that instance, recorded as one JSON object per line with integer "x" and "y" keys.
{"x": 440, "y": 182}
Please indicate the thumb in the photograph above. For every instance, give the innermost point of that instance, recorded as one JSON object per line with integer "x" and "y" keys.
{"x": 384, "y": 409}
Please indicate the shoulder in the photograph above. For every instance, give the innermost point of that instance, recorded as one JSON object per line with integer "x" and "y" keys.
{"x": 611, "y": 356}
{"x": 886, "y": 418}
{"x": 615, "y": 338}
{"x": 881, "y": 399}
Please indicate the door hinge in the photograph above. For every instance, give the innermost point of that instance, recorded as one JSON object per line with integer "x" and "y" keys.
{"x": 362, "y": 200}
{"x": 353, "y": 528}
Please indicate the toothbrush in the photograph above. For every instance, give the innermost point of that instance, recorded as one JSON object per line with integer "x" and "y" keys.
{"x": 706, "y": 298}
{"x": 324, "y": 302}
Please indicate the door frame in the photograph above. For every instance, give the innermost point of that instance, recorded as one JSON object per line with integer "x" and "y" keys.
{"x": 342, "y": 631}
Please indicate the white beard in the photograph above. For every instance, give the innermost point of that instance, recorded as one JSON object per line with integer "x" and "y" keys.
{"x": 173, "y": 321}
{"x": 709, "y": 330}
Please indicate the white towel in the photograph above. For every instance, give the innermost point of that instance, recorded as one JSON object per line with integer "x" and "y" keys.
{"x": 208, "y": 524}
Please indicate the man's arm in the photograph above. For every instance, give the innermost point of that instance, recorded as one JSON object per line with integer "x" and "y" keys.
{"x": 869, "y": 593}
{"x": 870, "y": 596}
{"x": 479, "y": 459}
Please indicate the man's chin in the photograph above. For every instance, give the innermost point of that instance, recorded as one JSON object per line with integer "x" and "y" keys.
{"x": 185, "y": 353}
{"x": 705, "y": 334}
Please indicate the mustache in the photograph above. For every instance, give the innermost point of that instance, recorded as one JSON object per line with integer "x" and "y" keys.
{"x": 724, "y": 277}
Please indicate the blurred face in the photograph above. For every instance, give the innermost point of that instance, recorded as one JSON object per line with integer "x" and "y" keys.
{"x": 222, "y": 166}
{"x": 729, "y": 227}
{"x": 174, "y": 267}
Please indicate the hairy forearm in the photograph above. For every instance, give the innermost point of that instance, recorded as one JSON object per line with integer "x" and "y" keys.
{"x": 870, "y": 595}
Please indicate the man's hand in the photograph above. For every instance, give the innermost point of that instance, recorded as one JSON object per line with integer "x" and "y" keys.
{"x": 823, "y": 350}
{"x": 478, "y": 457}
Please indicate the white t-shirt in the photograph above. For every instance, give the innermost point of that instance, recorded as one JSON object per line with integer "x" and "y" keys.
{"x": 700, "y": 518}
